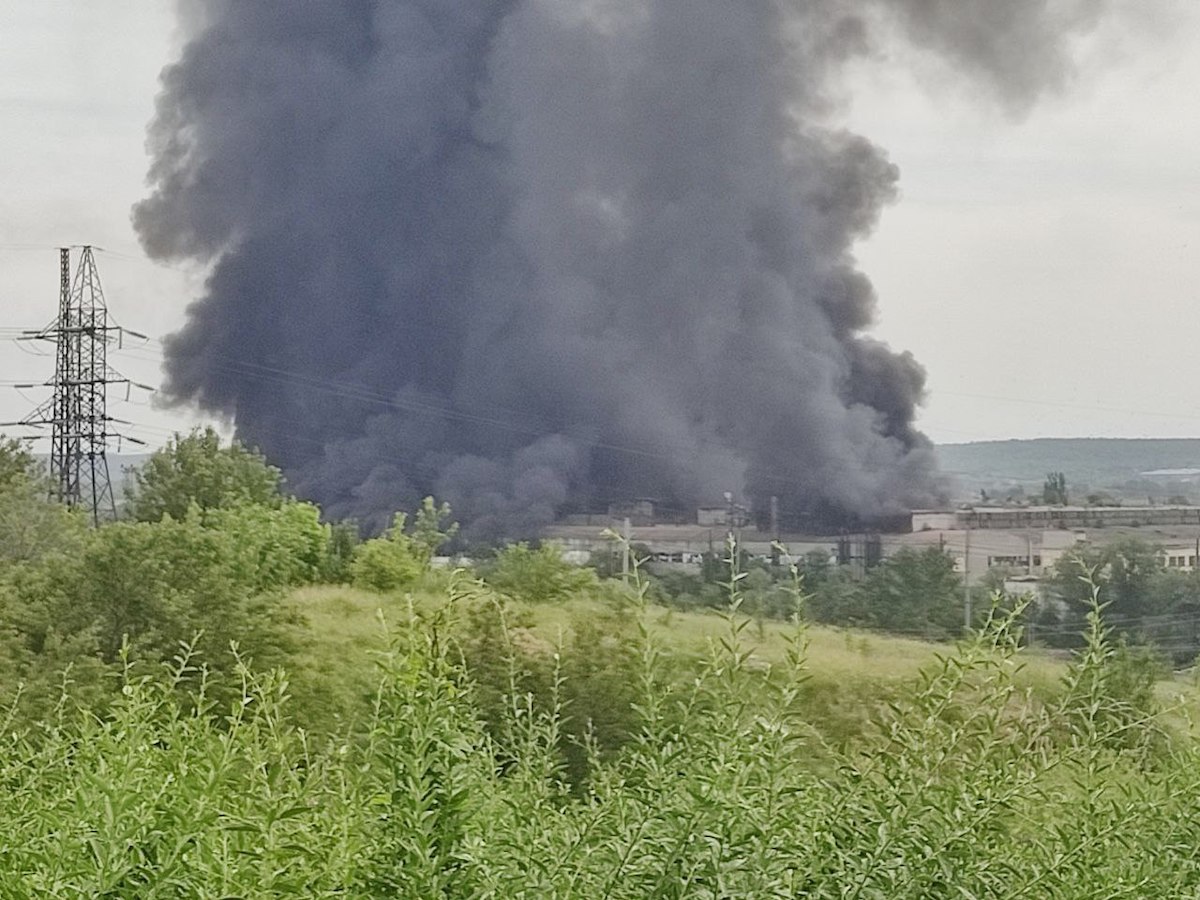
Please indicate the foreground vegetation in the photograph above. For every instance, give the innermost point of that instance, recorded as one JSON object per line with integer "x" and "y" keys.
{"x": 969, "y": 787}
{"x": 196, "y": 705}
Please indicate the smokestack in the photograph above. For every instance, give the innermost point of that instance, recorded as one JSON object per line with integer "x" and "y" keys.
{"x": 534, "y": 255}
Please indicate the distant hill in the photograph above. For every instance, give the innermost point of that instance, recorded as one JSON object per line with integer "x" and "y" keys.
{"x": 1113, "y": 464}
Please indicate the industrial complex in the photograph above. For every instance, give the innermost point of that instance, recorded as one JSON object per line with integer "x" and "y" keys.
{"x": 1024, "y": 543}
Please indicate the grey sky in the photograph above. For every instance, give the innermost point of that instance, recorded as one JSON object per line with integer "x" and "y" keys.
{"x": 1043, "y": 269}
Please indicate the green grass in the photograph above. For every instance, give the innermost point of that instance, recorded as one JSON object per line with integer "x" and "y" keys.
{"x": 851, "y": 674}
{"x": 967, "y": 787}
{"x": 339, "y": 634}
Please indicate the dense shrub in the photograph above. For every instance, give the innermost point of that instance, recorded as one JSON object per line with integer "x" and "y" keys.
{"x": 390, "y": 562}
{"x": 198, "y": 469}
{"x": 536, "y": 574}
{"x": 275, "y": 546}
{"x": 148, "y": 585}
{"x": 968, "y": 788}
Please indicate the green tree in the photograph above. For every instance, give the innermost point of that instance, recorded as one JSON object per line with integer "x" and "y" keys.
{"x": 915, "y": 591}
{"x": 31, "y": 525}
{"x": 431, "y": 529}
{"x": 344, "y": 540}
{"x": 536, "y": 574}
{"x": 17, "y": 464}
{"x": 274, "y": 547}
{"x": 151, "y": 584}
{"x": 837, "y": 599}
{"x": 1054, "y": 491}
{"x": 817, "y": 568}
{"x": 1123, "y": 572}
{"x": 389, "y": 562}
{"x": 199, "y": 470}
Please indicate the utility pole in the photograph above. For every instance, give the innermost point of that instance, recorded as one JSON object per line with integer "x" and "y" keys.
{"x": 627, "y": 538}
{"x": 776, "y": 538}
{"x": 77, "y": 411}
{"x": 729, "y": 517}
{"x": 967, "y": 581}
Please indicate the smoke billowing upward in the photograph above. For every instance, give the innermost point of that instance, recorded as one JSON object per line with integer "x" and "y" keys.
{"x": 533, "y": 255}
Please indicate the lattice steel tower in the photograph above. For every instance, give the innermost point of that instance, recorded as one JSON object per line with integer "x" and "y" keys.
{"x": 77, "y": 411}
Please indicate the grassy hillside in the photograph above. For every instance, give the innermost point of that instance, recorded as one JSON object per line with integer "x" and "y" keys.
{"x": 851, "y": 673}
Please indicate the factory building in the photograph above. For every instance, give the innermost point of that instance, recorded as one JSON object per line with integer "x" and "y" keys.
{"x": 1028, "y": 552}
{"x": 1070, "y": 518}
{"x": 1024, "y": 543}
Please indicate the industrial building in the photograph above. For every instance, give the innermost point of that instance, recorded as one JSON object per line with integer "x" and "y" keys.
{"x": 1053, "y": 517}
{"x": 1024, "y": 543}
{"x": 1028, "y": 552}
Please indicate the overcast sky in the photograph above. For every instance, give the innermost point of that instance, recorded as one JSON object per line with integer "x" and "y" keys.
{"x": 1044, "y": 269}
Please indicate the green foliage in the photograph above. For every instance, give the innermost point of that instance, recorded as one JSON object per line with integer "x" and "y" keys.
{"x": 838, "y": 599}
{"x": 1143, "y": 600}
{"x": 16, "y": 463}
{"x": 1054, "y": 491}
{"x": 685, "y": 590}
{"x": 1110, "y": 686}
{"x": 197, "y": 470}
{"x": 536, "y": 574}
{"x": 31, "y": 526}
{"x": 344, "y": 539}
{"x": 149, "y": 586}
{"x": 912, "y": 592}
{"x": 591, "y": 674}
{"x": 968, "y": 787}
{"x": 1119, "y": 576}
{"x": 915, "y": 591}
{"x": 613, "y": 560}
{"x": 768, "y": 594}
{"x": 390, "y": 562}
{"x": 152, "y": 585}
{"x": 275, "y": 547}
{"x": 497, "y": 763}
{"x": 404, "y": 552}
{"x": 162, "y": 798}
{"x": 427, "y": 782}
{"x": 432, "y": 528}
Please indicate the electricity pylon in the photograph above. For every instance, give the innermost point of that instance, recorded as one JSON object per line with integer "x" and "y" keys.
{"x": 77, "y": 410}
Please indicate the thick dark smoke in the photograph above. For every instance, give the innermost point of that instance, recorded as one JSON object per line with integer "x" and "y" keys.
{"x": 535, "y": 255}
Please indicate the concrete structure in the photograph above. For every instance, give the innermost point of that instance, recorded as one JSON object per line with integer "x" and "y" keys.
{"x": 685, "y": 545}
{"x": 934, "y": 520}
{"x": 1180, "y": 555}
{"x": 1023, "y": 586}
{"x": 1025, "y": 543}
{"x": 640, "y": 511}
{"x": 1070, "y": 518}
{"x": 1029, "y": 552}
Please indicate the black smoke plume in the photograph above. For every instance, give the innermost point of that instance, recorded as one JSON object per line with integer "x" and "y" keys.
{"x": 536, "y": 255}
